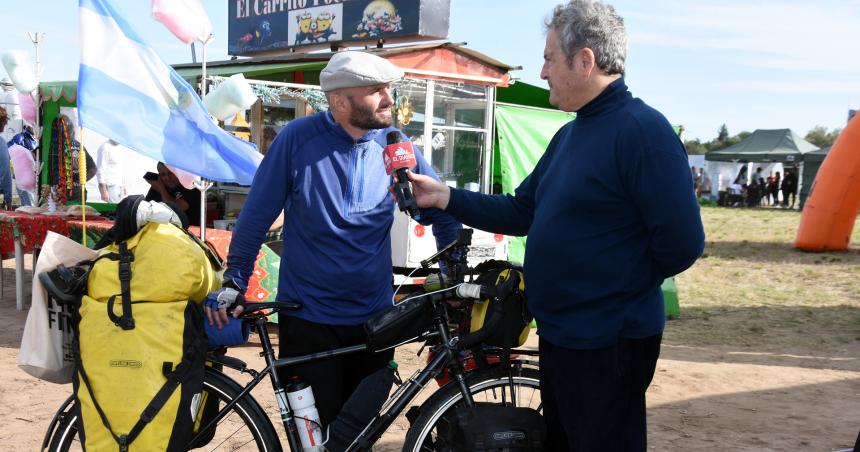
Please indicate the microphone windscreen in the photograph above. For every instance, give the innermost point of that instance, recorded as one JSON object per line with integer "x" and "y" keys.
{"x": 398, "y": 155}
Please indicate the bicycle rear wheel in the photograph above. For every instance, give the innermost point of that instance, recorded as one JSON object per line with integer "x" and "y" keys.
{"x": 245, "y": 428}
{"x": 492, "y": 386}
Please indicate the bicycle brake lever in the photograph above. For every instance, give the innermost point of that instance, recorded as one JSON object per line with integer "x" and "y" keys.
{"x": 421, "y": 350}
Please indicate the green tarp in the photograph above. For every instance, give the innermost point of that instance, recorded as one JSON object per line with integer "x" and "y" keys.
{"x": 522, "y": 135}
{"x": 811, "y": 164}
{"x": 765, "y": 145}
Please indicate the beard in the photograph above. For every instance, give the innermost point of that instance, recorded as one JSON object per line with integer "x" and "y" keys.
{"x": 363, "y": 117}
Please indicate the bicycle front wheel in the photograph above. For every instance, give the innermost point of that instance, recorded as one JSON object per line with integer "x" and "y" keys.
{"x": 245, "y": 428}
{"x": 492, "y": 386}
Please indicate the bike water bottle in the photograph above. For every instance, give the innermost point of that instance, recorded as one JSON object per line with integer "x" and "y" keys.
{"x": 306, "y": 416}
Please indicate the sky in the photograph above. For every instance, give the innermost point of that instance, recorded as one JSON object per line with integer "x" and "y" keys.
{"x": 702, "y": 63}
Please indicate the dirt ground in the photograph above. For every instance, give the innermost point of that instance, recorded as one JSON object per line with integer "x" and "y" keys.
{"x": 719, "y": 386}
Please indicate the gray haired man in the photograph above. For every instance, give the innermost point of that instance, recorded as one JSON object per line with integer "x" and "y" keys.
{"x": 610, "y": 212}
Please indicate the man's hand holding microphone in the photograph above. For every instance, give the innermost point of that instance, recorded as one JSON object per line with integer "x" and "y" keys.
{"x": 425, "y": 191}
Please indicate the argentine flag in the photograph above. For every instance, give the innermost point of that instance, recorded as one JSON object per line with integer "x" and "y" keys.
{"x": 126, "y": 92}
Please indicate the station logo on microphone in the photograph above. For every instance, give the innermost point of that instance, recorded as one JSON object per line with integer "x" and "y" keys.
{"x": 401, "y": 156}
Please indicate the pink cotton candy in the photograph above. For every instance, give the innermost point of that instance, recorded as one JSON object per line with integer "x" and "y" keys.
{"x": 28, "y": 108}
{"x": 22, "y": 164}
{"x": 186, "y": 19}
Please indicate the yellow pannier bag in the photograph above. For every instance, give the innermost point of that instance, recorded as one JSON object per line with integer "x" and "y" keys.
{"x": 515, "y": 324}
{"x": 142, "y": 346}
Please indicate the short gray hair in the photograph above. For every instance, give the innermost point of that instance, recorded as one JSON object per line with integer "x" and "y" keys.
{"x": 592, "y": 24}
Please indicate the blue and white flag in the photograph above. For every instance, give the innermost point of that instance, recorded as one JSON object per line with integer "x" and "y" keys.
{"x": 127, "y": 93}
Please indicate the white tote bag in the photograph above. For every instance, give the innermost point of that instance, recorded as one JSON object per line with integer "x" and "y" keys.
{"x": 46, "y": 345}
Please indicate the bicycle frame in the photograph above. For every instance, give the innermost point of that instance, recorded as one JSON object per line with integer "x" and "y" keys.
{"x": 406, "y": 391}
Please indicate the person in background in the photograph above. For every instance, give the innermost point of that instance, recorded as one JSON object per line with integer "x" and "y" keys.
{"x": 168, "y": 189}
{"x": 789, "y": 188}
{"x": 5, "y": 165}
{"x": 774, "y": 188}
{"x": 110, "y": 176}
{"x": 610, "y": 212}
{"x": 326, "y": 172}
{"x": 26, "y": 140}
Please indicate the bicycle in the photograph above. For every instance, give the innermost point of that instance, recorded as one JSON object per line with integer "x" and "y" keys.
{"x": 242, "y": 424}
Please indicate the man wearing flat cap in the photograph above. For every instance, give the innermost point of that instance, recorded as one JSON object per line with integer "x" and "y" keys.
{"x": 326, "y": 172}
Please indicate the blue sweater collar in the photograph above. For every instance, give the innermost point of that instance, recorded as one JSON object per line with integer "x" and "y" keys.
{"x": 341, "y": 133}
{"x": 612, "y": 97}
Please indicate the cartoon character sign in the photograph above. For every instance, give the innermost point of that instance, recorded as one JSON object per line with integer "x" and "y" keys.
{"x": 322, "y": 28}
{"x": 258, "y": 35}
{"x": 379, "y": 17}
{"x": 304, "y": 20}
{"x": 319, "y": 24}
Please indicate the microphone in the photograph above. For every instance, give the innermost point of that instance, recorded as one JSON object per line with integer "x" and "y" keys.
{"x": 398, "y": 157}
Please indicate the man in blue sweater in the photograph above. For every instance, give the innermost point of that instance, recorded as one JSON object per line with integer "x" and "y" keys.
{"x": 326, "y": 173}
{"x": 610, "y": 212}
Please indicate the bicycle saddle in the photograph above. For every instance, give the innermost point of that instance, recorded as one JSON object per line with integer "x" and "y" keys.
{"x": 65, "y": 284}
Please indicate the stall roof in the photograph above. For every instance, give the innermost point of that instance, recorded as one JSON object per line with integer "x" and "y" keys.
{"x": 53, "y": 91}
{"x": 266, "y": 65}
{"x": 765, "y": 145}
{"x": 250, "y": 70}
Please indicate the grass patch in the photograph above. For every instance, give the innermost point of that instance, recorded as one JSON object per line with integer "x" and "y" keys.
{"x": 754, "y": 289}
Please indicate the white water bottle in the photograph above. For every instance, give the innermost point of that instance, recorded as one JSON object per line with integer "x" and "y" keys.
{"x": 306, "y": 416}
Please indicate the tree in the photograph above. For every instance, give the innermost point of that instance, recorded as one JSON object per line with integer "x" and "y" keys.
{"x": 722, "y": 134}
{"x": 695, "y": 147}
{"x": 820, "y": 137}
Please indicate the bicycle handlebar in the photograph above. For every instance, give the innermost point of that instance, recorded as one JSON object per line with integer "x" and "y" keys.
{"x": 477, "y": 291}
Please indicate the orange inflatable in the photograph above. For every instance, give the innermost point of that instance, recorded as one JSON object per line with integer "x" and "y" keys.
{"x": 834, "y": 199}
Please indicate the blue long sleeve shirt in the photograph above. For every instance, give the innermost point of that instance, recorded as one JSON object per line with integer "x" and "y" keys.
{"x": 610, "y": 212}
{"x": 336, "y": 257}
{"x": 5, "y": 173}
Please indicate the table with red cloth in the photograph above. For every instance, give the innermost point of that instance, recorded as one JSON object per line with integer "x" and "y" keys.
{"x": 262, "y": 285}
{"x": 28, "y": 229}
{"x": 23, "y": 233}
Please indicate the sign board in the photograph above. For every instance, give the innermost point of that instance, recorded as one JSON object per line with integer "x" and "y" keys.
{"x": 282, "y": 26}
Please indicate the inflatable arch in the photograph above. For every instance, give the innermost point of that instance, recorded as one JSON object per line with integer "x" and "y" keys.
{"x": 834, "y": 200}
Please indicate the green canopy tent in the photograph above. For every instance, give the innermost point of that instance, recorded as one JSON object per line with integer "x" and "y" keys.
{"x": 769, "y": 146}
{"x": 811, "y": 164}
{"x": 765, "y": 145}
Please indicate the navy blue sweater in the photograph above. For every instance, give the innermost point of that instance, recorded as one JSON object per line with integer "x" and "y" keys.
{"x": 610, "y": 212}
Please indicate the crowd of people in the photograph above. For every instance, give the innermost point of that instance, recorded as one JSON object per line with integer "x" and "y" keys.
{"x": 762, "y": 190}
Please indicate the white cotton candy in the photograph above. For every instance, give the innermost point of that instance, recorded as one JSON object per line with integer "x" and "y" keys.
{"x": 230, "y": 97}
{"x": 20, "y": 71}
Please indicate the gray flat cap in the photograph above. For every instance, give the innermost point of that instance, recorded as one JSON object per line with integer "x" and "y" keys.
{"x": 349, "y": 69}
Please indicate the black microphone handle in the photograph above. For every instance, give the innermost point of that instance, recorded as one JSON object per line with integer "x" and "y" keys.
{"x": 403, "y": 191}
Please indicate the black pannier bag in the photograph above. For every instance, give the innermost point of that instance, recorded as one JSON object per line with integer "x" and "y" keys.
{"x": 404, "y": 321}
{"x": 492, "y": 427}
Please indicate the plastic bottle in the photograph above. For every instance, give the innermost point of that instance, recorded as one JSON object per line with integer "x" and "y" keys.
{"x": 305, "y": 414}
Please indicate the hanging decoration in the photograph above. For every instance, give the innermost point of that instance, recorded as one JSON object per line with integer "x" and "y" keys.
{"x": 404, "y": 110}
